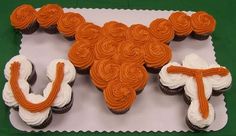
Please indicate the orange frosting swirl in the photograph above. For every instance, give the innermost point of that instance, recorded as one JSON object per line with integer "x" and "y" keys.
{"x": 129, "y": 52}
{"x": 118, "y": 96}
{"x": 162, "y": 30}
{"x": 134, "y": 75}
{"x": 68, "y": 23}
{"x": 181, "y": 23}
{"x": 157, "y": 54}
{"x": 203, "y": 23}
{"x": 114, "y": 30}
{"x": 139, "y": 34}
{"x": 23, "y": 16}
{"x": 80, "y": 54}
{"x": 49, "y": 15}
{"x": 105, "y": 48}
{"x": 88, "y": 31}
{"x": 104, "y": 71}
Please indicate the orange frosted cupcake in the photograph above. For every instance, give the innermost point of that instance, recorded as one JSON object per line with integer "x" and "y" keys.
{"x": 203, "y": 25}
{"x": 162, "y": 30}
{"x": 157, "y": 54}
{"x": 23, "y": 18}
{"x": 119, "y": 97}
{"x": 181, "y": 24}
{"x": 81, "y": 56}
{"x": 134, "y": 75}
{"x": 104, "y": 71}
{"x": 68, "y": 23}
{"x": 48, "y": 17}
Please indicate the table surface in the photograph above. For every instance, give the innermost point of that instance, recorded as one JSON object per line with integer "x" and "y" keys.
{"x": 223, "y": 41}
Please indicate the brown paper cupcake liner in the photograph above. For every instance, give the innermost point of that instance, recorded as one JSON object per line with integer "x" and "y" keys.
{"x": 194, "y": 127}
{"x": 199, "y": 37}
{"x": 51, "y": 29}
{"x": 119, "y": 112}
{"x": 64, "y": 109}
{"x": 30, "y": 29}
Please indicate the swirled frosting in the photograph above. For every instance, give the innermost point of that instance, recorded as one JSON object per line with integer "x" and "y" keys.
{"x": 80, "y": 54}
{"x": 195, "y": 117}
{"x": 114, "y": 30}
{"x": 118, "y": 96}
{"x": 23, "y": 16}
{"x": 162, "y": 30}
{"x": 157, "y": 54}
{"x": 104, "y": 71}
{"x": 49, "y": 15}
{"x": 68, "y": 23}
{"x": 203, "y": 23}
{"x": 181, "y": 23}
{"x": 134, "y": 75}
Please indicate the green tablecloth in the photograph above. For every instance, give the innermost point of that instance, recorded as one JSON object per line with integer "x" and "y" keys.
{"x": 223, "y": 38}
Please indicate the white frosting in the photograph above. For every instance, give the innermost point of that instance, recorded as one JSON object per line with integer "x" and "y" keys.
{"x": 25, "y": 67}
{"x": 171, "y": 80}
{"x": 192, "y": 91}
{"x": 69, "y": 70}
{"x": 63, "y": 96}
{"x": 194, "y": 61}
{"x": 8, "y": 96}
{"x": 34, "y": 118}
{"x": 219, "y": 82}
{"x": 195, "y": 117}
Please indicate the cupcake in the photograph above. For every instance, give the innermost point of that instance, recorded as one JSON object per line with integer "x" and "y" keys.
{"x": 103, "y": 71}
{"x": 64, "y": 99}
{"x": 181, "y": 24}
{"x": 119, "y": 97}
{"x": 81, "y": 56}
{"x": 68, "y": 23}
{"x": 203, "y": 25}
{"x": 157, "y": 54}
{"x": 36, "y": 120}
{"x": 162, "y": 30}
{"x": 48, "y": 17}
{"x": 24, "y": 19}
{"x": 134, "y": 75}
{"x": 88, "y": 31}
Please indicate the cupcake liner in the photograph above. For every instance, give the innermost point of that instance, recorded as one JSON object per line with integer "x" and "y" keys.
{"x": 33, "y": 76}
{"x": 51, "y": 29}
{"x": 179, "y": 38}
{"x": 139, "y": 91}
{"x": 153, "y": 70}
{"x": 70, "y": 38}
{"x": 199, "y": 37}
{"x": 193, "y": 127}
{"x": 168, "y": 91}
{"x": 187, "y": 99}
{"x": 30, "y": 29}
{"x": 64, "y": 109}
{"x": 83, "y": 71}
{"x": 99, "y": 89}
{"x": 119, "y": 112}
{"x": 71, "y": 83}
{"x": 45, "y": 123}
{"x": 219, "y": 92}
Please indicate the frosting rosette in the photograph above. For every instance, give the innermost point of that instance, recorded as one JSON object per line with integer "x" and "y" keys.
{"x": 157, "y": 54}
{"x": 162, "y": 30}
{"x": 133, "y": 75}
{"x": 114, "y": 30}
{"x": 68, "y": 23}
{"x": 88, "y": 31}
{"x": 118, "y": 96}
{"x": 181, "y": 23}
{"x": 23, "y": 16}
{"x": 203, "y": 23}
{"x": 49, "y": 15}
{"x": 104, "y": 71}
{"x": 80, "y": 54}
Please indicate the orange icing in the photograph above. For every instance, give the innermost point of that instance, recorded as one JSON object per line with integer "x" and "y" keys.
{"x": 198, "y": 74}
{"x": 118, "y": 96}
{"x": 134, "y": 75}
{"x": 49, "y": 15}
{"x": 114, "y": 30}
{"x": 20, "y": 97}
{"x": 104, "y": 71}
{"x": 23, "y": 16}
{"x": 157, "y": 54}
{"x": 88, "y": 31}
{"x": 162, "y": 30}
{"x": 181, "y": 23}
{"x": 203, "y": 23}
{"x": 68, "y": 23}
{"x": 80, "y": 54}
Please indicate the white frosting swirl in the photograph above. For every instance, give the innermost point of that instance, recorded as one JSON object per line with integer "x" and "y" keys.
{"x": 195, "y": 117}
{"x": 63, "y": 96}
{"x": 25, "y": 67}
{"x": 34, "y": 118}
{"x": 171, "y": 80}
{"x": 8, "y": 96}
{"x": 69, "y": 70}
{"x": 194, "y": 61}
